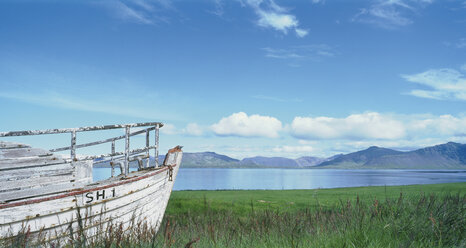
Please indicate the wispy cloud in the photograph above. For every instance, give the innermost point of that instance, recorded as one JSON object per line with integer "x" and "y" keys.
{"x": 463, "y": 67}
{"x": 460, "y": 43}
{"x": 281, "y": 53}
{"x": 191, "y": 129}
{"x": 390, "y": 14}
{"x": 271, "y": 15}
{"x": 276, "y": 99}
{"x": 294, "y": 149}
{"x": 443, "y": 84}
{"x": 138, "y": 11}
{"x": 218, "y": 8}
{"x": 296, "y": 54}
{"x": 131, "y": 107}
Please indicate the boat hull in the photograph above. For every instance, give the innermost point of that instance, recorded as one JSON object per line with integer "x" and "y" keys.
{"x": 139, "y": 198}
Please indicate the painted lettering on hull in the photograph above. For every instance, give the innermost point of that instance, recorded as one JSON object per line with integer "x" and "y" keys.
{"x": 98, "y": 195}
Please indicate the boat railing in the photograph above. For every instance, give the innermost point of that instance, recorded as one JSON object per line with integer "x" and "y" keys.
{"x": 122, "y": 158}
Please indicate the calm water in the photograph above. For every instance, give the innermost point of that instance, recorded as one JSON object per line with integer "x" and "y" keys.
{"x": 212, "y": 179}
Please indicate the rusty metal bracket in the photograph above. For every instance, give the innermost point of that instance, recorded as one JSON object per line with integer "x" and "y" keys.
{"x": 170, "y": 173}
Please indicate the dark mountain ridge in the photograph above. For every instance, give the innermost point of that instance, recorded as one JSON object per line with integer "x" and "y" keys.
{"x": 445, "y": 156}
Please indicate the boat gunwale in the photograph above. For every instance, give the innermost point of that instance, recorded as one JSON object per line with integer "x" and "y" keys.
{"x": 74, "y": 192}
{"x": 79, "y": 129}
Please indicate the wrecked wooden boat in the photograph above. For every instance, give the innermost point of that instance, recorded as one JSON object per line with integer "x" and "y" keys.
{"x": 47, "y": 195}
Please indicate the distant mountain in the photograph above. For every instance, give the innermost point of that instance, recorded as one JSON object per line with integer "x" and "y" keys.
{"x": 208, "y": 159}
{"x": 359, "y": 158}
{"x": 270, "y": 162}
{"x": 446, "y": 156}
{"x": 309, "y": 161}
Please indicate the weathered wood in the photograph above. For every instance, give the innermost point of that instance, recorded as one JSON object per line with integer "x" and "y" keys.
{"x": 147, "y": 145}
{"x": 8, "y": 145}
{"x": 80, "y": 129}
{"x": 111, "y": 209}
{"x": 44, "y": 193}
{"x": 8, "y": 185}
{"x": 23, "y": 182}
{"x": 138, "y": 189}
{"x": 55, "y": 169}
{"x": 41, "y": 190}
{"x": 156, "y": 151}
{"x": 142, "y": 199}
{"x": 127, "y": 131}
{"x": 28, "y": 162}
{"x": 20, "y": 152}
{"x": 73, "y": 145}
{"x": 102, "y": 141}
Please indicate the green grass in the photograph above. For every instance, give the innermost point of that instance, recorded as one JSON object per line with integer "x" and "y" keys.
{"x": 239, "y": 201}
{"x": 396, "y": 216}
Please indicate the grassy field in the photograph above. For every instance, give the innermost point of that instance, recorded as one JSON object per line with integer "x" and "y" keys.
{"x": 241, "y": 202}
{"x": 395, "y": 216}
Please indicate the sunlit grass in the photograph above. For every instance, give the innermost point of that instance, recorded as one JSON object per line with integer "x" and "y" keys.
{"x": 398, "y": 216}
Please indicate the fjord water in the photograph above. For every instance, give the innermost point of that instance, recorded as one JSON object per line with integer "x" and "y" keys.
{"x": 214, "y": 179}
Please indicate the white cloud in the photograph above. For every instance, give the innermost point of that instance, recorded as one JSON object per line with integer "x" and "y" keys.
{"x": 306, "y": 142}
{"x": 443, "y": 125}
{"x": 276, "y": 99}
{"x": 218, "y": 11}
{"x": 301, "y": 32}
{"x": 131, "y": 107}
{"x": 460, "y": 43}
{"x": 390, "y": 14}
{"x": 314, "y": 52}
{"x": 169, "y": 129}
{"x": 193, "y": 129}
{"x": 127, "y": 13}
{"x": 325, "y": 136}
{"x": 463, "y": 67}
{"x": 271, "y": 15}
{"x": 281, "y": 53}
{"x": 240, "y": 124}
{"x": 369, "y": 125}
{"x": 138, "y": 11}
{"x": 293, "y": 149}
{"x": 443, "y": 83}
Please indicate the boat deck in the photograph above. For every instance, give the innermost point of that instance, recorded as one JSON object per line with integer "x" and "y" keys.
{"x": 27, "y": 172}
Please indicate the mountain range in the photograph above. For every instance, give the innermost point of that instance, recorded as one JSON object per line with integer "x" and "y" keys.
{"x": 445, "y": 156}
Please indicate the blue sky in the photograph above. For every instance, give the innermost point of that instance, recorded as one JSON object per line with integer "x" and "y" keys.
{"x": 241, "y": 78}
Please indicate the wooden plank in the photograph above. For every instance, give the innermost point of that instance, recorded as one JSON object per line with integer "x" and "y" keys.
{"x": 29, "y": 162}
{"x": 40, "y": 191}
{"x": 14, "y": 153}
{"x": 51, "y": 170}
{"x": 34, "y": 182}
{"x": 8, "y": 145}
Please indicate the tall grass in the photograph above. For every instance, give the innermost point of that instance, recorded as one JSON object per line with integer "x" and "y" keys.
{"x": 423, "y": 221}
{"x": 420, "y": 220}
